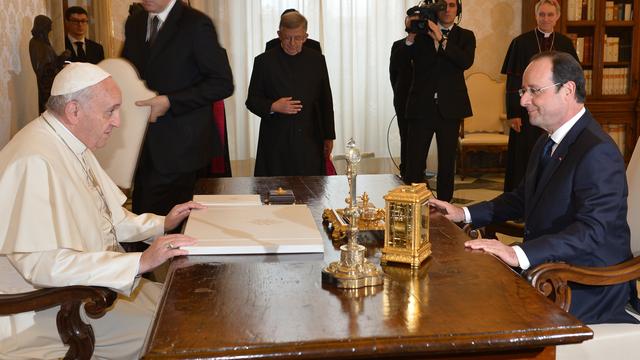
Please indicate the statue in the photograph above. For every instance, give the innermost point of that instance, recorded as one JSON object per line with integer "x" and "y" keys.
{"x": 44, "y": 60}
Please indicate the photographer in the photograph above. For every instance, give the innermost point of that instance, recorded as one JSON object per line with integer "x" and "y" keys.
{"x": 437, "y": 56}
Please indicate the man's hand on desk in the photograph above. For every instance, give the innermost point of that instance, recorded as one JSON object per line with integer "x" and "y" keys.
{"x": 505, "y": 252}
{"x": 162, "y": 249}
{"x": 451, "y": 212}
{"x": 179, "y": 213}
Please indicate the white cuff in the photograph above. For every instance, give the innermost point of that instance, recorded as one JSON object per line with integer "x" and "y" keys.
{"x": 523, "y": 260}
{"x": 467, "y": 215}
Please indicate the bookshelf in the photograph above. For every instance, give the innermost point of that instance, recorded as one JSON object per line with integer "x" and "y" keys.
{"x": 606, "y": 34}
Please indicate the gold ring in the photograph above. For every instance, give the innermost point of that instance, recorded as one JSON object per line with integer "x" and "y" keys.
{"x": 170, "y": 246}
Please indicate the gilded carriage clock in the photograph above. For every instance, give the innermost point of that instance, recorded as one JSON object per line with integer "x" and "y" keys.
{"x": 406, "y": 234}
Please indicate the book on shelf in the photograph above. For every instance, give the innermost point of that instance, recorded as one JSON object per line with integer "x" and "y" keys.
{"x": 615, "y": 81}
{"x": 571, "y": 10}
{"x": 611, "y": 47}
{"x": 588, "y": 74}
{"x": 617, "y": 134}
{"x": 582, "y": 44}
{"x": 580, "y": 10}
{"x": 608, "y": 10}
{"x": 580, "y": 48}
{"x": 628, "y": 12}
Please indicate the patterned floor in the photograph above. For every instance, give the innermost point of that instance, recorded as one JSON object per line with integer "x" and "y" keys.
{"x": 475, "y": 188}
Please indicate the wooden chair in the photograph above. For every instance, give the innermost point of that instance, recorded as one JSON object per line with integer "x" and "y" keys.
{"x": 610, "y": 341}
{"x": 73, "y": 331}
{"x": 485, "y": 130}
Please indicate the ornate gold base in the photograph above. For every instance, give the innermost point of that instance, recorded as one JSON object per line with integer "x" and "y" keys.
{"x": 353, "y": 270}
{"x": 336, "y": 220}
{"x": 405, "y": 256}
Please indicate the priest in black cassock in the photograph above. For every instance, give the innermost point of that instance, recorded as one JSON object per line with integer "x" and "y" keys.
{"x": 523, "y": 135}
{"x": 290, "y": 91}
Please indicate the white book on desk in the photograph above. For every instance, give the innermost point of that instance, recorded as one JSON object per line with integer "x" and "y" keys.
{"x": 268, "y": 229}
{"x": 228, "y": 200}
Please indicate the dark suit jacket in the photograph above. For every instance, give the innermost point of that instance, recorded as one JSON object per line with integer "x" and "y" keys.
{"x": 93, "y": 50}
{"x": 310, "y": 43}
{"x": 187, "y": 64}
{"x": 440, "y": 71}
{"x": 401, "y": 78}
{"x": 576, "y": 214}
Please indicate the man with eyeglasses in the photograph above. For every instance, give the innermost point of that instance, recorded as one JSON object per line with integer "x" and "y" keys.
{"x": 76, "y": 22}
{"x": 290, "y": 91}
{"x": 574, "y": 194}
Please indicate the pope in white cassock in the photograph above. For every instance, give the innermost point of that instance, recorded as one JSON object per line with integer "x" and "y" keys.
{"x": 62, "y": 219}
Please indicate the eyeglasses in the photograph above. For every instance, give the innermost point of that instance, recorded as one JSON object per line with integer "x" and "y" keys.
{"x": 79, "y": 22}
{"x": 535, "y": 91}
{"x": 293, "y": 39}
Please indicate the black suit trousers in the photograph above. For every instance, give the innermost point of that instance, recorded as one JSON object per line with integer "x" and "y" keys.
{"x": 156, "y": 192}
{"x": 419, "y": 134}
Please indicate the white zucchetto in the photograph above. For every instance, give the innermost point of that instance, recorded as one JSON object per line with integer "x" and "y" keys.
{"x": 77, "y": 76}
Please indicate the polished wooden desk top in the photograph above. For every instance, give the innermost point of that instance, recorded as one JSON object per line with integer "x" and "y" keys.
{"x": 275, "y": 306}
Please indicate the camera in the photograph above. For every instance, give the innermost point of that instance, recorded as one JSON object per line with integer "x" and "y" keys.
{"x": 427, "y": 10}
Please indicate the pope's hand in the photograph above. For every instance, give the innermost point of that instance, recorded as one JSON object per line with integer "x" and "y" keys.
{"x": 162, "y": 249}
{"x": 179, "y": 213}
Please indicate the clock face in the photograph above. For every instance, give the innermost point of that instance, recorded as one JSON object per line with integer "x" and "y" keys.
{"x": 400, "y": 225}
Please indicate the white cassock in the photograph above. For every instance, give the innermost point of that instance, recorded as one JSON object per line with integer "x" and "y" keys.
{"x": 61, "y": 214}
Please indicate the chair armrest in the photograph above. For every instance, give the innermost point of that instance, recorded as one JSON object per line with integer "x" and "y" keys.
{"x": 510, "y": 228}
{"x": 73, "y": 331}
{"x": 551, "y": 279}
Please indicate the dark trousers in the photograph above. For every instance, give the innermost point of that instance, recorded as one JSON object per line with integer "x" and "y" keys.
{"x": 156, "y": 192}
{"x": 419, "y": 135}
{"x": 402, "y": 130}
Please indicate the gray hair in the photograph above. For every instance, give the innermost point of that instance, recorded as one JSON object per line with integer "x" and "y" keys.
{"x": 293, "y": 20}
{"x": 57, "y": 103}
{"x": 553, "y": 3}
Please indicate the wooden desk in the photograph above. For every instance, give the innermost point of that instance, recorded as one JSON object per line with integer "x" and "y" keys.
{"x": 460, "y": 304}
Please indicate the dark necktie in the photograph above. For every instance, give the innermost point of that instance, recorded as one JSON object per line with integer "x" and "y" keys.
{"x": 546, "y": 152}
{"x": 545, "y": 157}
{"x": 154, "y": 29}
{"x": 445, "y": 32}
{"x": 80, "y": 50}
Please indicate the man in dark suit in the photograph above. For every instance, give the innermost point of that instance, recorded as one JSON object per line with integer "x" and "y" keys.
{"x": 176, "y": 51}
{"x": 574, "y": 194}
{"x": 309, "y": 43}
{"x": 438, "y": 99}
{"x": 76, "y": 21}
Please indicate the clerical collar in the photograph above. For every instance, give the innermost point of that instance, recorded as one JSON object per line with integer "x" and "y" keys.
{"x": 74, "y": 40}
{"x": 546, "y": 34}
{"x": 77, "y": 146}
{"x": 162, "y": 15}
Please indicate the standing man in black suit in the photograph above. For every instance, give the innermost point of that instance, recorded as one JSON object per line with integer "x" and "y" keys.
{"x": 309, "y": 43}
{"x": 573, "y": 197}
{"x": 438, "y": 99}
{"x": 76, "y": 22}
{"x": 176, "y": 51}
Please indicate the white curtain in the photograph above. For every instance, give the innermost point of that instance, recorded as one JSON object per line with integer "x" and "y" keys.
{"x": 356, "y": 38}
